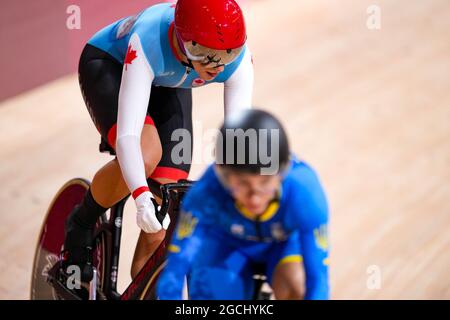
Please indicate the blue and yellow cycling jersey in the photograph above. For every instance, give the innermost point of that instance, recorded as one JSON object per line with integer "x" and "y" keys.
{"x": 213, "y": 230}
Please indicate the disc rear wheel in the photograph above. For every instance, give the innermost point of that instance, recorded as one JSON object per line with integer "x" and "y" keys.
{"x": 51, "y": 239}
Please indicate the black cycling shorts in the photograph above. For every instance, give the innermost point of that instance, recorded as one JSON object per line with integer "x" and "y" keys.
{"x": 169, "y": 109}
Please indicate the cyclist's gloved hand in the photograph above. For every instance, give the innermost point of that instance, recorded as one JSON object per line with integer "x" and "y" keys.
{"x": 166, "y": 220}
{"x": 146, "y": 214}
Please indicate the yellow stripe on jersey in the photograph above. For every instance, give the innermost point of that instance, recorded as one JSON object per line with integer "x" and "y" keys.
{"x": 297, "y": 258}
{"x": 173, "y": 248}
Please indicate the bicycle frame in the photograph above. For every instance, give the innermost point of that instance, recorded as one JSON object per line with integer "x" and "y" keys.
{"x": 109, "y": 234}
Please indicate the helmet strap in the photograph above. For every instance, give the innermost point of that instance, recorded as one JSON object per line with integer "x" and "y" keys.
{"x": 180, "y": 42}
{"x": 183, "y": 50}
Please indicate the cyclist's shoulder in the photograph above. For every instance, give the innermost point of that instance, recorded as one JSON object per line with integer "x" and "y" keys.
{"x": 302, "y": 174}
{"x": 151, "y": 19}
{"x": 305, "y": 194}
{"x": 151, "y": 27}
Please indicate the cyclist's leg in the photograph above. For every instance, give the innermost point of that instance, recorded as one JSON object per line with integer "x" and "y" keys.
{"x": 285, "y": 270}
{"x": 171, "y": 109}
{"x": 108, "y": 185}
{"x": 100, "y": 76}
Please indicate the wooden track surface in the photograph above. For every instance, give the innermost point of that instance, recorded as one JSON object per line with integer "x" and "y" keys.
{"x": 368, "y": 109}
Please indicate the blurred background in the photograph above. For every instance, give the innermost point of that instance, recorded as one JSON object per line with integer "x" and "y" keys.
{"x": 362, "y": 86}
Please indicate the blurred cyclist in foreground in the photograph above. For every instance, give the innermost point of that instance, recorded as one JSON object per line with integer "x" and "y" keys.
{"x": 257, "y": 204}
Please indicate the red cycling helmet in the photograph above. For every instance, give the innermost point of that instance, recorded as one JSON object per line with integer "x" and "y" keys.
{"x": 210, "y": 31}
{"x": 215, "y": 24}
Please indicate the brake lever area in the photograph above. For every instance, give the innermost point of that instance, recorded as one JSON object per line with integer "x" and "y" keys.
{"x": 159, "y": 214}
{"x": 169, "y": 193}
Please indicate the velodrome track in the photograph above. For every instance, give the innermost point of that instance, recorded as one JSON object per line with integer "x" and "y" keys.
{"x": 369, "y": 109}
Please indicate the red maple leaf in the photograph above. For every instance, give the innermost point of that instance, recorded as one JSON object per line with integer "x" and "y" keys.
{"x": 131, "y": 55}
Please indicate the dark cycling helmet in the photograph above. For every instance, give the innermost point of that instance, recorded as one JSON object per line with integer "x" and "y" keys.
{"x": 252, "y": 141}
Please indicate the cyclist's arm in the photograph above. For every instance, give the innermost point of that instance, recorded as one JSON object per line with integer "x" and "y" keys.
{"x": 134, "y": 95}
{"x": 238, "y": 88}
{"x": 185, "y": 245}
{"x": 315, "y": 261}
{"x": 311, "y": 214}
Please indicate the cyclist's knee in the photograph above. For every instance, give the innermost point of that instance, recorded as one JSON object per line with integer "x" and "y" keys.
{"x": 290, "y": 292}
{"x": 146, "y": 246}
{"x": 157, "y": 236}
{"x": 289, "y": 282}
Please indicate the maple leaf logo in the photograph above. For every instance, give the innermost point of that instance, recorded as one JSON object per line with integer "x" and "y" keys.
{"x": 131, "y": 55}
